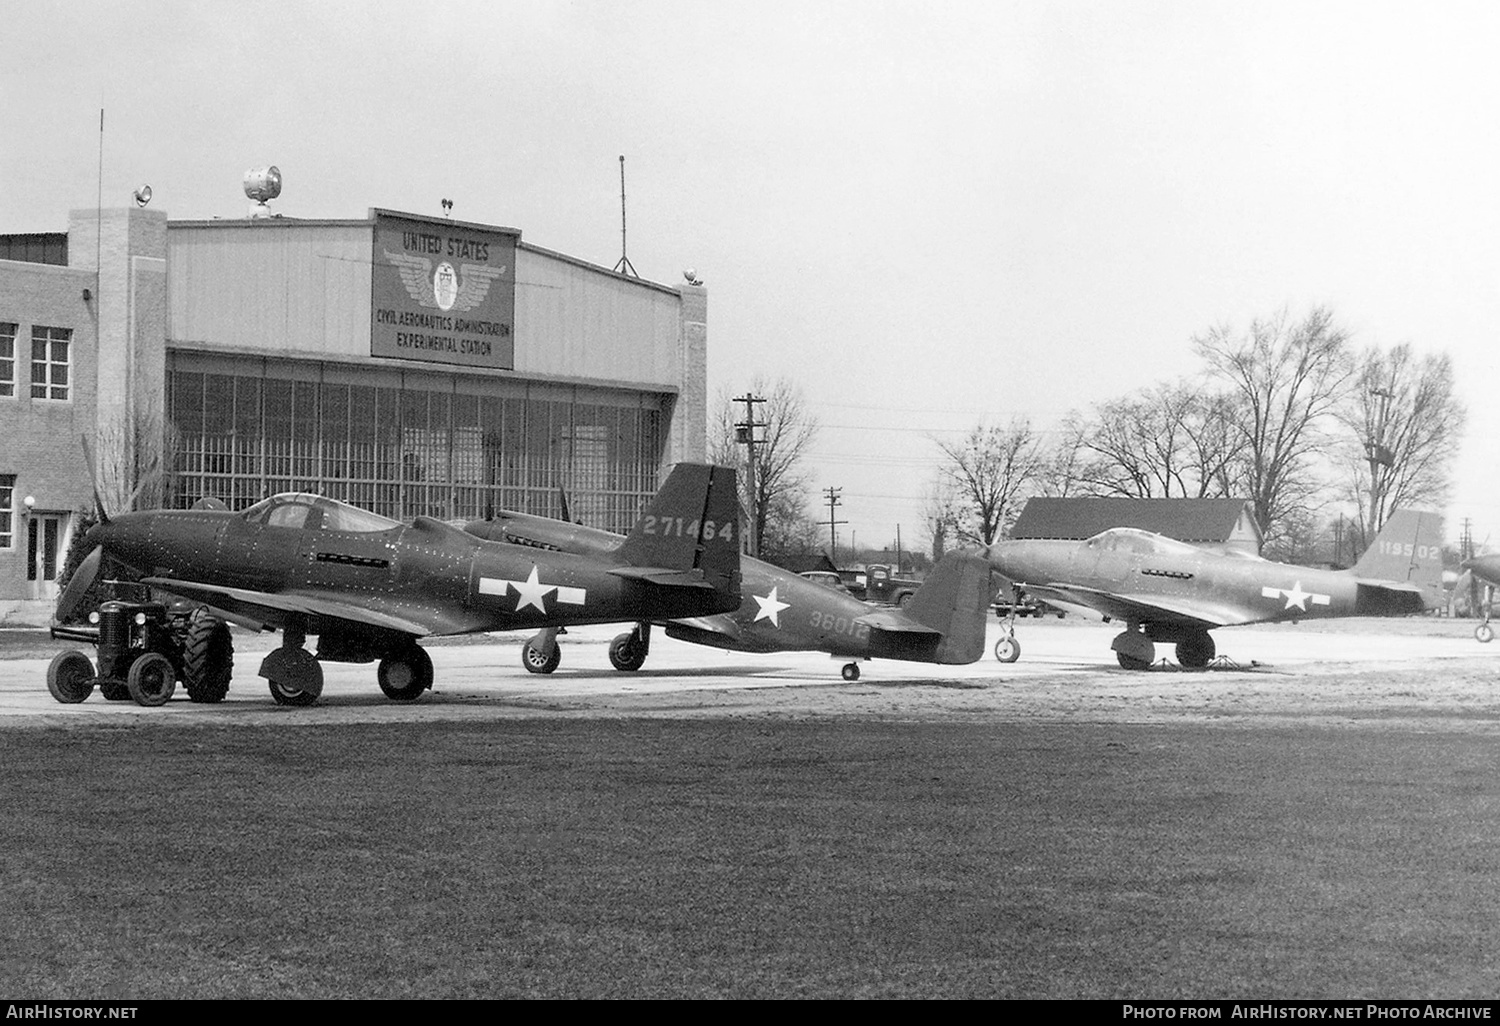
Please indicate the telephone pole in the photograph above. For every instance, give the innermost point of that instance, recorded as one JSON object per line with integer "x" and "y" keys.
{"x": 832, "y": 494}
{"x": 744, "y": 434}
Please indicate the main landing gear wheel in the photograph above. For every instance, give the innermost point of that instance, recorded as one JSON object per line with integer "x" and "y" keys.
{"x": 405, "y": 674}
{"x": 293, "y": 673}
{"x": 851, "y": 671}
{"x": 1131, "y": 662}
{"x": 538, "y": 661}
{"x": 1008, "y": 649}
{"x": 70, "y": 677}
{"x": 152, "y": 679}
{"x": 626, "y": 653}
{"x": 207, "y": 658}
{"x": 1196, "y": 652}
{"x": 1485, "y": 633}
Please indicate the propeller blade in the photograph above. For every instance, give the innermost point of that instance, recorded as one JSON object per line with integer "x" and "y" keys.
{"x": 88, "y": 459}
{"x": 70, "y": 602}
{"x": 562, "y": 497}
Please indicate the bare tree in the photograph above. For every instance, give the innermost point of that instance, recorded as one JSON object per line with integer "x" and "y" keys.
{"x": 785, "y": 429}
{"x": 989, "y": 471}
{"x": 1288, "y": 380}
{"x": 1405, "y": 423}
{"x": 1168, "y": 440}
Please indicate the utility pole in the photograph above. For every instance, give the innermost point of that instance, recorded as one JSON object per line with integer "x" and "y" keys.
{"x": 744, "y": 434}
{"x": 832, "y": 494}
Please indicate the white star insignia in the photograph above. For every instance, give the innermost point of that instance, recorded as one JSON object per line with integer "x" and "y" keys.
{"x": 770, "y": 608}
{"x": 1295, "y": 596}
{"x": 532, "y": 592}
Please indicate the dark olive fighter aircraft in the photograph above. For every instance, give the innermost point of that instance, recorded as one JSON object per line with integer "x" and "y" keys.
{"x": 1169, "y": 591}
{"x": 370, "y": 587}
{"x": 1486, "y": 570}
{"x": 944, "y": 622}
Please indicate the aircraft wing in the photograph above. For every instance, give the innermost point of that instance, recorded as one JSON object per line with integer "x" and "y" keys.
{"x": 1151, "y": 608}
{"x": 272, "y": 607}
{"x": 891, "y": 620}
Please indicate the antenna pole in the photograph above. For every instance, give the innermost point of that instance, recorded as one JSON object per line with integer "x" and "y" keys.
{"x": 624, "y": 266}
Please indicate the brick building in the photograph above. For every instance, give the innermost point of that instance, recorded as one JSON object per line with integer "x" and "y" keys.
{"x": 407, "y": 364}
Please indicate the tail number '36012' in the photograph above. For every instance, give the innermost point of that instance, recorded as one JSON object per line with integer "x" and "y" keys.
{"x": 682, "y": 527}
{"x": 840, "y": 625}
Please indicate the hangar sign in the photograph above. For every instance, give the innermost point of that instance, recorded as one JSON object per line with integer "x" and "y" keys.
{"x": 443, "y": 292}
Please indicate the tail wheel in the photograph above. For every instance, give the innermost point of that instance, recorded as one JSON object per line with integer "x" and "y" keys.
{"x": 70, "y": 677}
{"x": 207, "y": 658}
{"x": 626, "y": 653}
{"x": 405, "y": 674}
{"x": 152, "y": 679}
{"x": 851, "y": 671}
{"x": 537, "y": 660}
{"x": 1484, "y": 633}
{"x": 1008, "y": 649}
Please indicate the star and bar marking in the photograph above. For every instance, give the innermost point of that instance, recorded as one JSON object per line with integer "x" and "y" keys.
{"x": 532, "y": 592}
{"x": 1295, "y": 596}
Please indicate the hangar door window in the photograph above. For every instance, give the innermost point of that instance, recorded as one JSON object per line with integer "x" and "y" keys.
{"x": 400, "y": 452}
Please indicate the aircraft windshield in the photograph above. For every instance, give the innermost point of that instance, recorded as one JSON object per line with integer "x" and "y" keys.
{"x": 318, "y": 512}
{"x": 1130, "y": 539}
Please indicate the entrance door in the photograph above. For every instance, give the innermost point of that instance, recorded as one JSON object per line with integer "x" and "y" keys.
{"x": 44, "y": 534}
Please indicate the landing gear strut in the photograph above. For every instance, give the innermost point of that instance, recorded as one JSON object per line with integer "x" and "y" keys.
{"x": 628, "y": 651}
{"x": 294, "y": 673}
{"x": 1008, "y": 649}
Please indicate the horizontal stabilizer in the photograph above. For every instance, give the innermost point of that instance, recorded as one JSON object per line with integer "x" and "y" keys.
{"x": 892, "y": 620}
{"x": 664, "y": 577}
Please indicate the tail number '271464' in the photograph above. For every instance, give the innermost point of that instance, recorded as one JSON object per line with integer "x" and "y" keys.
{"x": 682, "y": 527}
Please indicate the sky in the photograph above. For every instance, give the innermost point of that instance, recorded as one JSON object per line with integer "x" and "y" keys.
{"x": 926, "y": 216}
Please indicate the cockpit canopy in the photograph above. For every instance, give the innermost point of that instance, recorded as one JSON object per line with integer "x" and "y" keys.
{"x": 1142, "y": 543}
{"x": 304, "y": 510}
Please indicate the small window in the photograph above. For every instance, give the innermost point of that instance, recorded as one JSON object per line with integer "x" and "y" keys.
{"x": 50, "y": 361}
{"x": 7, "y": 360}
{"x": 7, "y": 511}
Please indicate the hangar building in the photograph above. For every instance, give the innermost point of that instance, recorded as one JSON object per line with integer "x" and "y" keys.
{"x": 405, "y": 363}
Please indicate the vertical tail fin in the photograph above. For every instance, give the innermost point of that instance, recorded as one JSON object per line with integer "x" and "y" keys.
{"x": 692, "y": 524}
{"x": 955, "y": 599}
{"x": 1408, "y": 550}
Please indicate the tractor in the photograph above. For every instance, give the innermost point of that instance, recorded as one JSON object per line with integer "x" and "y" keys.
{"x": 144, "y": 649}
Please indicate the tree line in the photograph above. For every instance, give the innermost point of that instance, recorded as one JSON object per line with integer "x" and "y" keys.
{"x": 1286, "y": 413}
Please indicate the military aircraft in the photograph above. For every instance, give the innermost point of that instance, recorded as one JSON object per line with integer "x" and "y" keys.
{"x": 944, "y": 621}
{"x": 1486, "y": 570}
{"x": 370, "y": 587}
{"x": 1169, "y": 591}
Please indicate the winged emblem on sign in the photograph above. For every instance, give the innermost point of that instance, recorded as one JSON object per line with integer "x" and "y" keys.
{"x": 443, "y": 288}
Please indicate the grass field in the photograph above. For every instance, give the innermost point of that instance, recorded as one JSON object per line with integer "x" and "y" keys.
{"x": 747, "y": 858}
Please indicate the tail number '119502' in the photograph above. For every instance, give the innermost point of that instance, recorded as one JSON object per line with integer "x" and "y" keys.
{"x": 682, "y": 527}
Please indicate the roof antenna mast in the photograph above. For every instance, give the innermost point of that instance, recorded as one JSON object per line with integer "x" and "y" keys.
{"x": 624, "y": 266}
